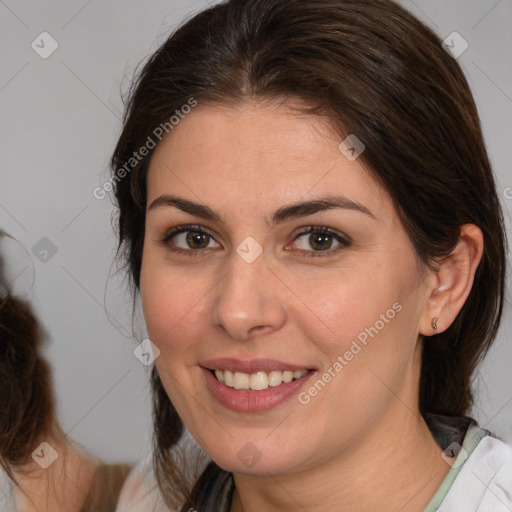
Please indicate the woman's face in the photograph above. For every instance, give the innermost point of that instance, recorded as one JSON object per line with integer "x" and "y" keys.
{"x": 261, "y": 295}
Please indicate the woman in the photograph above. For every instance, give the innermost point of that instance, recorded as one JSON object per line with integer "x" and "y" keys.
{"x": 315, "y": 349}
{"x": 43, "y": 470}
{"x": 307, "y": 209}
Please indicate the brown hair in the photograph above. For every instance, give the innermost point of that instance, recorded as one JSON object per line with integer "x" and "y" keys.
{"x": 375, "y": 71}
{"x": 28, "y": 410}
{"x": 26, "y": 390}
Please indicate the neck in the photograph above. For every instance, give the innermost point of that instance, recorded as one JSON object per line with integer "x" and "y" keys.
{"x": 398, "y": 465}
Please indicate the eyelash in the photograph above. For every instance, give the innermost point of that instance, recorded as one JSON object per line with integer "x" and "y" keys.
{"x": 344, "y": 241}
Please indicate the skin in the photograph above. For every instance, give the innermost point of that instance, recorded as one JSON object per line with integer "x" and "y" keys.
{"x": 62, "y": 487}
{"x": 363, "y": 431}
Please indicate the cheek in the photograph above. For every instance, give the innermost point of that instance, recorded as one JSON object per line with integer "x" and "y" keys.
{"x": 344, "y": 306}
{"x": 170, "y": 304}
{"x": 362, "y": 321}
{"x": 171, "y": 301}
{"x": 368, "y": 350}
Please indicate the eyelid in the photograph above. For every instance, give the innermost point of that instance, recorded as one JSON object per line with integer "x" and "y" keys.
{"x": 343, "y": 239}
{"x": 314, "y": 228}
{"x": 170, "y": 233}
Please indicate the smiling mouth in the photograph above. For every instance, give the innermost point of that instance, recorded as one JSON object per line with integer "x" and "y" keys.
{"x": 258, "y": 381}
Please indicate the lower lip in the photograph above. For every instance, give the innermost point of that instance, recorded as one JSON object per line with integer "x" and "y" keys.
{"x": 253, "y": 401}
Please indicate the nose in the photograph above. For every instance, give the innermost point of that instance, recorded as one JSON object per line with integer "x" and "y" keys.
{"x": 249, "y": 300}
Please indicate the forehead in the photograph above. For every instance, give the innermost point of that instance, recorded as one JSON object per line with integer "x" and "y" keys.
{"x": 252, "y": 155}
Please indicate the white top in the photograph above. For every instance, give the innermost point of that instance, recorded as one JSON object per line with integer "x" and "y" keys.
{"x": 6, "y": 493}
{"x": 484, "y": 483}
{"x": 140, "y": 492}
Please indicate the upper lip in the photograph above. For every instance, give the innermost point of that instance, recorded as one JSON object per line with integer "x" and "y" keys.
{"x": 251, "y": 365}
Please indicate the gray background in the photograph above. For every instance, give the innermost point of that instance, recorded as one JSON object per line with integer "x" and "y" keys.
{"x": 59, "y": 120}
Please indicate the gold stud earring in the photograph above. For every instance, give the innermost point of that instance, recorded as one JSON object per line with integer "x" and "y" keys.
{"x": 434, "y": 324}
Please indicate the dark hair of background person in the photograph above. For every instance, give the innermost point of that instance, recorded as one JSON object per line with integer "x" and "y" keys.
{"x": 374, "y": 70}
{"x": 27, "y": 401}
{"x": 28, "y": 414}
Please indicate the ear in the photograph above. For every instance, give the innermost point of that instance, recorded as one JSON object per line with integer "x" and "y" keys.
{"x": 452, "y": 283}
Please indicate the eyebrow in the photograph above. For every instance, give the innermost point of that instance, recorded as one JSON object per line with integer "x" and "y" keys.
{"x": 284, "y": 213}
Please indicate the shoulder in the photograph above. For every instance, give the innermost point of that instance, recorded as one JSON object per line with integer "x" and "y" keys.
{"x": 140, "y": 491}
{"x": 485, "y": 479}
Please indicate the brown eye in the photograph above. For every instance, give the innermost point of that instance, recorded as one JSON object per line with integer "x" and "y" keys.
{"x": 187, "y": 239}
{"x": 195, "y": 237}
{"x": 321, "y": 240}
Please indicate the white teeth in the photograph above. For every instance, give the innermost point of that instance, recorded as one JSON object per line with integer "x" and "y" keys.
{"x": 258, "y": 381}
{"x": 229, "y": 379}
{"x": 287, "y": 376}
{"x": 241, "y": 380}
{"x": 275, "y": 378}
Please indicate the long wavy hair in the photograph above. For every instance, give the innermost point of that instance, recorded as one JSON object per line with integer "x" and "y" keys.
{"x": 375, "y": 70}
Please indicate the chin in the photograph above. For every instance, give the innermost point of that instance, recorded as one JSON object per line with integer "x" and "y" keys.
{"x": 257, "y": 457}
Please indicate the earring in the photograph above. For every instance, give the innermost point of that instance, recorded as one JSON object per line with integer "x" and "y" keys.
{"x": 434, "y": 324}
